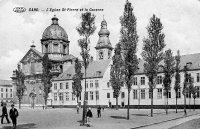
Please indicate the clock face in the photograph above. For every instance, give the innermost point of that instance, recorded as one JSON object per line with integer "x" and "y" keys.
{"x": 100, "y": 54}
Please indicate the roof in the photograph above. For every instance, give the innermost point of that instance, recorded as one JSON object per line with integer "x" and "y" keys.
{"x": 95, "y": 69}
{"x": 190, "y": 58}
{"x": 5, "y": 83}
{"x": 33, "y": 50}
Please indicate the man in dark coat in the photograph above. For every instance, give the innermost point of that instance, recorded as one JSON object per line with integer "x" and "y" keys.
{"x": 99, "y": 111}
{"x": 4, "y": 114}
{"x": 13, "y": 115}
{"x": 89, "y": 116}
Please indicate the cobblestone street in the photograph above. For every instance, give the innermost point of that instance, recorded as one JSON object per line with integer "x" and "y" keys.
{"x": 111, "y": 119}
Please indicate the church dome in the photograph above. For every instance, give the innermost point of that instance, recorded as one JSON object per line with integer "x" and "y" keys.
{"x": 104, "y": 30}
{"x": 54, "y": 31}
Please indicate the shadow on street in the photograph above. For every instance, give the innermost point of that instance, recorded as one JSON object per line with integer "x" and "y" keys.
{"x": 21, "y": 126}
{"x": 118, "y": 117}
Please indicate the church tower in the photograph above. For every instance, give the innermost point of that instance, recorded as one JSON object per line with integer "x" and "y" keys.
{"x": 103, "y": 47}
{"x": 55, "y": 40}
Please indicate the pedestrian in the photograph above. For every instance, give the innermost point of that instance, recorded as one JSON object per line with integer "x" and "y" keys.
{"x": 99, "y": 111}
{"x": 4, "y": 114}
{"x": 77, "y": 109}
{"x": 89, "y": 117}
{"x": 13, "y": 115}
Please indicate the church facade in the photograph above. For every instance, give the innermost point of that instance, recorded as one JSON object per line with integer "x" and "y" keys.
{"x": 55, "y": 43}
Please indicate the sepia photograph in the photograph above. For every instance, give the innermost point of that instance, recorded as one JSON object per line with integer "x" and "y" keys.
{"x": 100, "y": 64}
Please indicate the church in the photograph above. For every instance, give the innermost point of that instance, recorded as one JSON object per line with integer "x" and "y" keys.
{"x": 99, "y": 91}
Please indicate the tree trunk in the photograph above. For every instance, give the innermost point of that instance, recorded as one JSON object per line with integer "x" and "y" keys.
{"x": 128, "y": 103}
{"x": 77, "y": 99}
{"x": 194, "y": 104}
{"x": 189, "y": 103}
{"x": 185, "y": 104}
{"x": 84, "y": 103}
{"x": 45, "y": 102}
{"x": 176, "y": 103}
{"x": 152, "y": 102}
{"x": 116, "y": 103}
{"x": 19, "y": 103}
{"x": 167, "y": 104}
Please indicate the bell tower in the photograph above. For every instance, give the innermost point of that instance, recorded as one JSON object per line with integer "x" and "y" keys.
{"x": 103, "y": 47}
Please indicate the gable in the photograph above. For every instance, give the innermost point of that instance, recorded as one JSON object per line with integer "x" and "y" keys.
{"x": 31, "y": 56}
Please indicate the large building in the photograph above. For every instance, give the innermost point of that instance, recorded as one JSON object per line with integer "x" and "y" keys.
{"x": 55, "y": 43}
{"x": 6, "y": 91}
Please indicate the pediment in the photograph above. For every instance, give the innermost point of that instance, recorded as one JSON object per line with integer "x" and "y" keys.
{"x": 31, "y": 56}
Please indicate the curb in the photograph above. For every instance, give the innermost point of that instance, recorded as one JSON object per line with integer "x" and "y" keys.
{"x": 163, "y": 121}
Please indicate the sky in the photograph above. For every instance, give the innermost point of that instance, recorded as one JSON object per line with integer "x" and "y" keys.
{"x": 180, "y": 18}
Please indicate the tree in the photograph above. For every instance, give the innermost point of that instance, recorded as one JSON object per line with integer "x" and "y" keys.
{"x": 20, "y": 86}
{"x": 168, "y": 69}
{"x": 116, "y": 73}
{"x": 185, "y": 86}
{"x": 194, "y": 95}
{"x": 85, "y": 29}
{"x": 46, "y": 77}
{"x": 128, "y": 40}
{"x": 190, "y": 88}
{"x": 77, "y": 88}
{"x": 153, "y": 53}
{"x": 177, "y": 76}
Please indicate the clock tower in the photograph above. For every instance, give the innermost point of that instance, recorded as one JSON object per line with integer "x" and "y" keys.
{"x": 103, "y": 47}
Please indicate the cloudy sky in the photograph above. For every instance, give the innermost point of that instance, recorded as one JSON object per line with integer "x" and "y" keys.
{"x": 180, "y": 18}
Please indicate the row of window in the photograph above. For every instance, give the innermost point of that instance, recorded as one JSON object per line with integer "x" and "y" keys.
{"x": 66, "y": 86}
{"x": 89, "y": 95}
{"x": 6, "y": 90}
{"x": 142, "y": 94}
{"x": 159, "y": 79}
{"x": 7, "y": 95}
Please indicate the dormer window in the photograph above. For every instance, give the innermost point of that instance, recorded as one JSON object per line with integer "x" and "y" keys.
{"x": 68, "y": 75}
{"x": 98, "y": 73}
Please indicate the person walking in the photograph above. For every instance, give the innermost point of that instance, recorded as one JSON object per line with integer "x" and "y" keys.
{"x": 13, "y": 115}
{"x": 4, "y": 114}
{"x": 99, "y": 111}
{"x": 77, "y": 109}
{"x": 89, "y": 117}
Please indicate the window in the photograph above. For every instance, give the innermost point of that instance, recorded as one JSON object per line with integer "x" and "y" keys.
{"x": 198, "y": 91}
{"x": 91, "y": 95}
{"x": 80, "y": 97}
{"x": 108, "y": 85}
{"x": 134, "y": 94}
{"x": 10, "y": 90}
{"x": 1, "y": 89}
{"x": 135, "y": 81}
{"x": 67, "y": 85}
{"x": 55, "y": 86}
{"x": 123, "y": 95}
{"x": 1, "y": 95}
{"x": 61, "y": 86}
{"x": 179, "y": 93}
{"x": 55, "y": 48}
{"x": 55, "y": 96}
{"x": 86, "y": 96}
{"x": 169, "y": 94}
{"x": 11, "y": 95}
{"x": 96, "y": 83}
{"x": 142, "y": 93}
{"x": 97, "y": 95}
{"x": 67, "y": 96}
{"x": 198, "y": 79}
{"x": 6, "y": 90}
{"x": 108, "y": 95}
{"x": 6, "y": 95}
{"x": 86, "y": 84}
{"x": 159, "y": 80}
{"x": 142, "y": 80}
{"x": 73, "y": 97}
{"x": 149, "y": 94}
{"x": 159, "y": 94}
{"x": 61, "y": 96}
{"x": 91, "y": 84}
